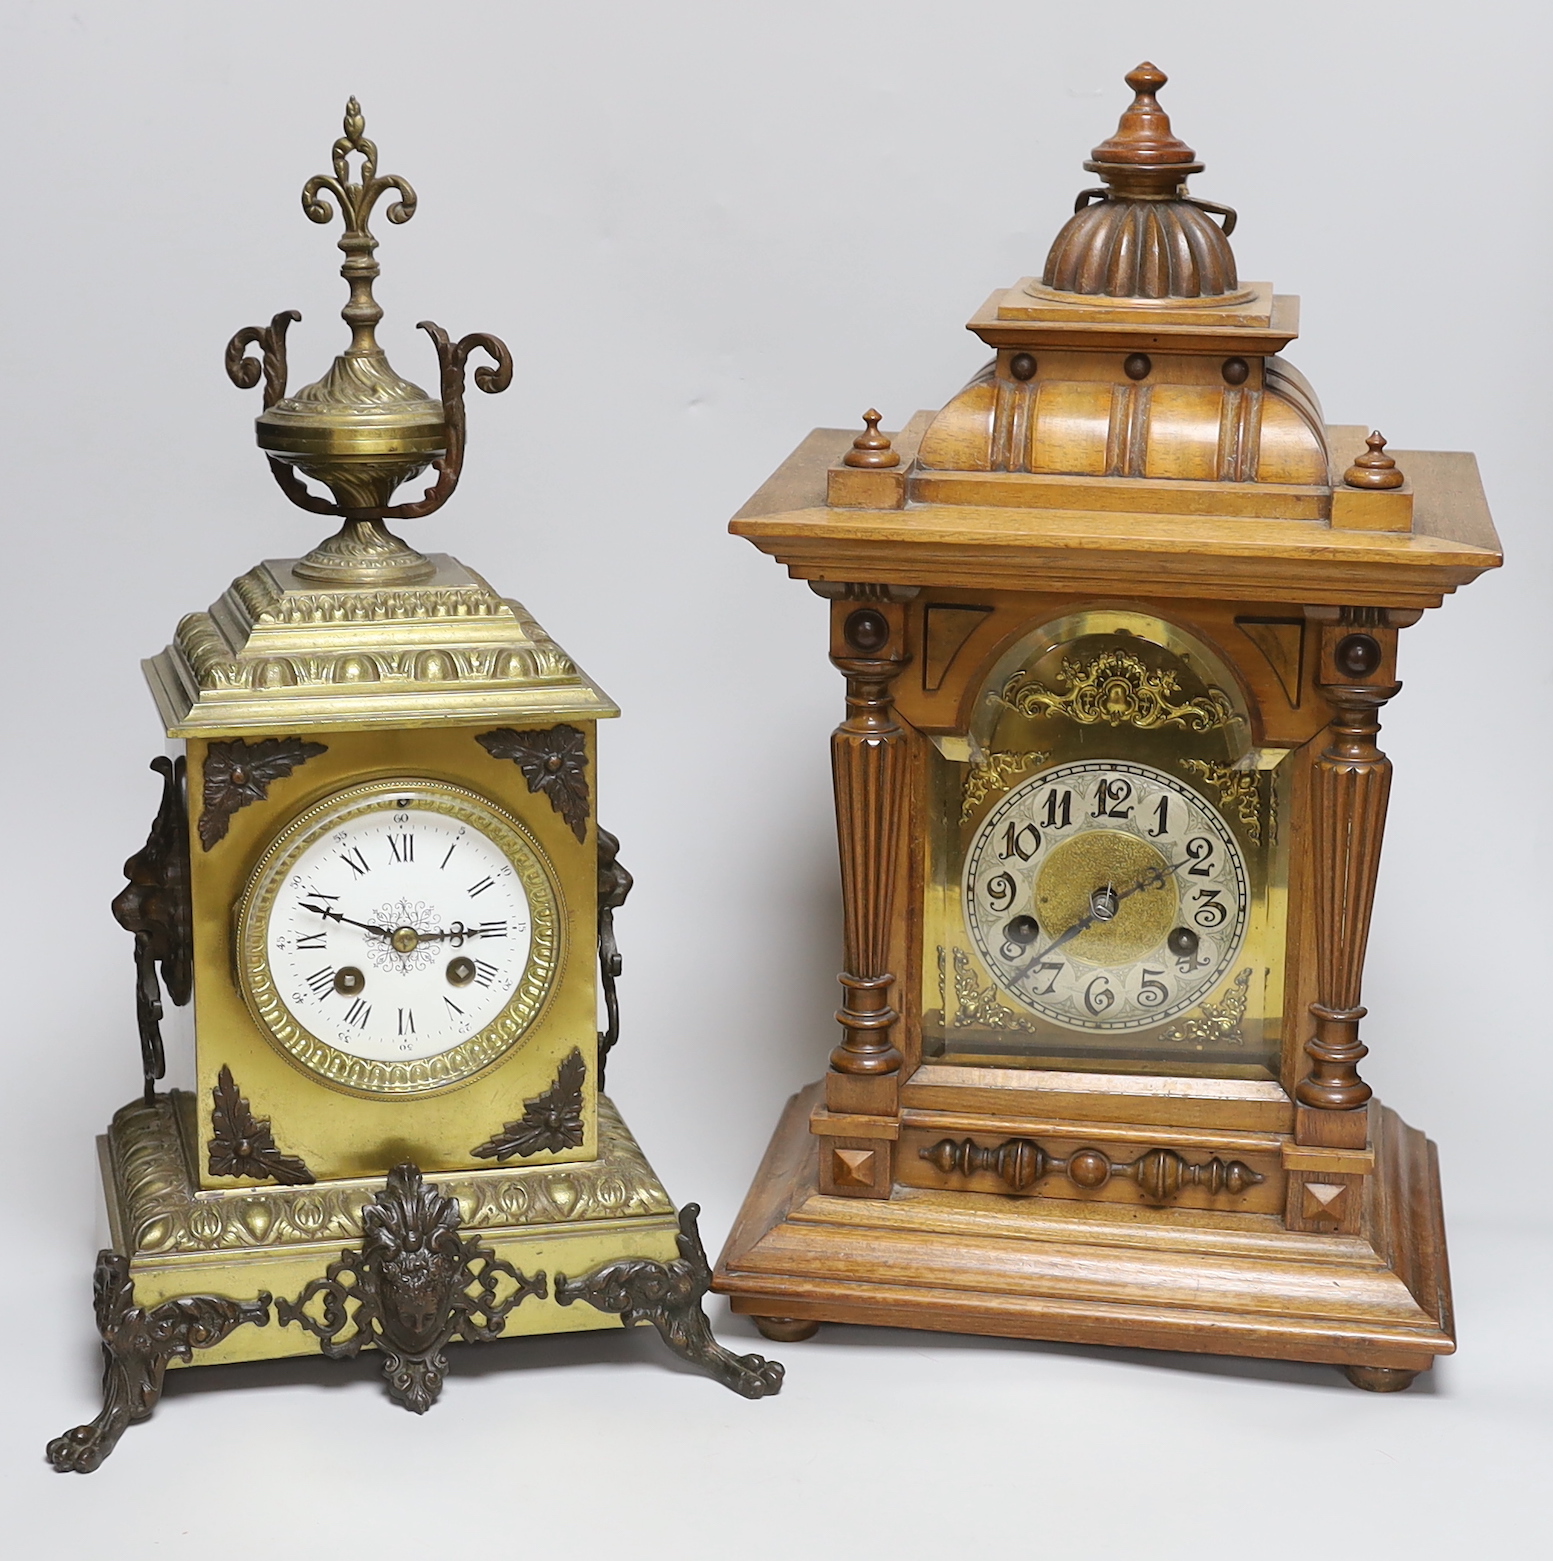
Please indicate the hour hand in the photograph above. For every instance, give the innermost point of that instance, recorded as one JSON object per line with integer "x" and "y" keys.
{"x": 456, "y": 933}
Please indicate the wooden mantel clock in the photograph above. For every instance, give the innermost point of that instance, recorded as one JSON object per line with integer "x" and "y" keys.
{"x": 1117, "y": 626}
{"x": 377, "y": 870}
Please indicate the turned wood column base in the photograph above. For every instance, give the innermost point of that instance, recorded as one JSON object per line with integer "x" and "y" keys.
{"x": 866, "y": 1017}
{"x": 1335, "y": 1052}
{"x": 870, "y": 1097}
{"x": 1332, "y": 1129}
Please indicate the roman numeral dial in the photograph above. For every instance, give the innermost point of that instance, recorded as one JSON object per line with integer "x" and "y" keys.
{"x": 399, "y": 923}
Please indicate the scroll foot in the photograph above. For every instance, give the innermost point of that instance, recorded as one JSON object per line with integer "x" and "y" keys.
{"x": 137, "y": 1345}
{"x": 669, "y": 1295}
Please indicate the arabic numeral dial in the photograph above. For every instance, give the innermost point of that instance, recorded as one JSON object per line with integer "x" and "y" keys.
{"x": 1105, "y": 896}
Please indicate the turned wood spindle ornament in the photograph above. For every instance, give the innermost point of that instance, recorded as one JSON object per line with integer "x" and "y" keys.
{"x": 1160, "y": 1174}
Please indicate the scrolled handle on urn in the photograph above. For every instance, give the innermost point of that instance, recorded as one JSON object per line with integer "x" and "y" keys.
{"x": 452, "y": 359}
{"x": 270, "y": 339}
{"x": 1159, "y": 1174}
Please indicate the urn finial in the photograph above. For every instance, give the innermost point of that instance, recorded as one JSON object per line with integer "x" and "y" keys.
{"x": 362, "y": 430}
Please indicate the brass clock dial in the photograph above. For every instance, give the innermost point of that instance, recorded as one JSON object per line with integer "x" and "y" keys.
{"x": 399, "y": 937}
{"x": 1105, "y": 896}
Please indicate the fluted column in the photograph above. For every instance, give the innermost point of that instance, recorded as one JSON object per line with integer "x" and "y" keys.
{"x": 1351, "y": 783}
{"x": 868, "y": 759}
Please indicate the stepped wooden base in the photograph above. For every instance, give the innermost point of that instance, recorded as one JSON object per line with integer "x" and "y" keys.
{"x": 1376, "y": 1303}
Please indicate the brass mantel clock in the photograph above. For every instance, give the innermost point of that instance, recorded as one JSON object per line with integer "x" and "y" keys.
{"x": 1117, "y": 625}
{"x": 377, "y": 871}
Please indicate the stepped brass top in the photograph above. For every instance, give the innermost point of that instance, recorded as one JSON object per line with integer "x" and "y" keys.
{"x": 278, "y": 651}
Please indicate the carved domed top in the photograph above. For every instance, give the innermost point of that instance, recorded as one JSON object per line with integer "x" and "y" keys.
{"x": 1145, "y": 237}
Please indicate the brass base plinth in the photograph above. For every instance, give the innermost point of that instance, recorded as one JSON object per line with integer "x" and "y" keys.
{"x": 1376, "y": 1303}
{"x": 404, "y": 1266}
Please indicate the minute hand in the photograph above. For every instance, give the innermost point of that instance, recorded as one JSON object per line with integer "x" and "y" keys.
{"x": 366, "y": 926}
{"x": 388, "y": 932}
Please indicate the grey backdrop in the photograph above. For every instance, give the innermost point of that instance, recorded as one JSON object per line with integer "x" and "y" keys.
{"x": 705, "y": 228}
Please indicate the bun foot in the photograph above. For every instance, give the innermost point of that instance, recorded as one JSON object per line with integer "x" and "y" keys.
{"x": 786, "y": 1330}
{"x": 1379, "y": 1379}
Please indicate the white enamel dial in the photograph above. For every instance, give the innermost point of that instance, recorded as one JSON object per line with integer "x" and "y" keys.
{"x": 399, "y": 936}
{"x": 1105, "y": 896}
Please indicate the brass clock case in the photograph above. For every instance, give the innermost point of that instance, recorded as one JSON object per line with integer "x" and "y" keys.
{"x": 460, "y": 1063}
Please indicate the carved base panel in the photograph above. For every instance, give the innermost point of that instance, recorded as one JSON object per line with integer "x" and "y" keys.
{"x": 1171, "y": 1278}
{"x": 403, "y": 1265}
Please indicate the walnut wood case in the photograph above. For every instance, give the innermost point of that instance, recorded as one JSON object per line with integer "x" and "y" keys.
{"x": 1136, "y": 453}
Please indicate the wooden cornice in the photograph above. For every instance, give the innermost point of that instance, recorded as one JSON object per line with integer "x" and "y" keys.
{"x": 1144, "y": 554}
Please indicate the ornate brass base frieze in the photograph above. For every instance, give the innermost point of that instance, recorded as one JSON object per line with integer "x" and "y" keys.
{"x": 404, "y": 1266}
{"x": 157, "y": 1211}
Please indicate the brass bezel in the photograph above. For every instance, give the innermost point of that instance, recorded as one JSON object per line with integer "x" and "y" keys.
{"x": 459, "y": 1064}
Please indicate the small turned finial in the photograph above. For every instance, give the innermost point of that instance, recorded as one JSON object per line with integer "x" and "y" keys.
{"x": 1143, "y": 136}
{"x": 871, "y": 448}
{"x": 1374, "y": 469}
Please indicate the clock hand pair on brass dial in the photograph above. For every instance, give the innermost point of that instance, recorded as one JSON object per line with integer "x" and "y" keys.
{"x": 1152, "y": 878}
{"x": 393, "y": 933}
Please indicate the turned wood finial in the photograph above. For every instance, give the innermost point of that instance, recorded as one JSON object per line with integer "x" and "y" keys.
{"x": 871, "y": 448}
{"x": 1374, "y": 469}
{"x": 1143, "y": 135}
